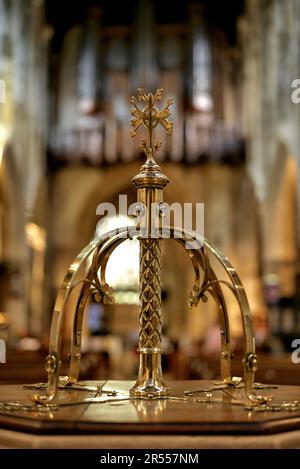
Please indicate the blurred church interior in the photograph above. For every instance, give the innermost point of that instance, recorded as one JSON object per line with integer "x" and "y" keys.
{"x": 67, "y": 79}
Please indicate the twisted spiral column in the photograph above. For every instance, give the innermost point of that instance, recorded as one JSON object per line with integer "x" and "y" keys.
{"x": 150, "y": 296}
{"x": 150, "y": 381}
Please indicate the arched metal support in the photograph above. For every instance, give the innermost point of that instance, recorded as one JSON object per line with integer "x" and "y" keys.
{"x": 98, "y": 269}
{"x": 212, "y": 285}
{"x": 199, "y": 259}
{"x": 103, "y": 249}
{"x": 53, "y": 360}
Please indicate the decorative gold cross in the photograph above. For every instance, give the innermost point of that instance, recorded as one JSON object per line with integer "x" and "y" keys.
{"x": 150, "y": 116}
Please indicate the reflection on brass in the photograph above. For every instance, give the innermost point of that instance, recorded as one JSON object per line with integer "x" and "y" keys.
{"x": 150, "y": 183}
{"x": 76, "y": 387}
{"x": 20, "y": 406}
{"x": 239, "y": 384}
{"x": 264, "y": 386}
{"x": 293, "y": 406}
{"x": 218, "y": 387}
{"x": 149, "y": 409}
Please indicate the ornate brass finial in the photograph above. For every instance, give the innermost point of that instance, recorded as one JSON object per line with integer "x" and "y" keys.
{"x": 150, "y": 116}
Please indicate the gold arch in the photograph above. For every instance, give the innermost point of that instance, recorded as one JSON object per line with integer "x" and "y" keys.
{"x": 101, "y": 250}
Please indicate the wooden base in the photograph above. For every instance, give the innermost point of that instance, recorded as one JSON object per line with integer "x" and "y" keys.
{"x": 146, "y": 417}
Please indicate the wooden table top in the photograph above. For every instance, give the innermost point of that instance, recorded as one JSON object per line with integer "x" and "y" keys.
{"x": 148, "y": 417}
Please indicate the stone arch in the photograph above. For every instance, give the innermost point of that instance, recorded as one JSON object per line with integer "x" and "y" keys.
{"x": 280, "y": 222}
{"x": 12, "y": 210}
{"x": 12, "y": 234}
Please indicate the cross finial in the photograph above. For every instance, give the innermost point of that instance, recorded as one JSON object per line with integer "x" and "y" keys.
{"x": 150, "y": 116}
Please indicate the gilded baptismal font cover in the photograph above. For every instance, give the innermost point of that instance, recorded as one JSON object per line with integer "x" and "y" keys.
{"x": 150, "y": 395}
